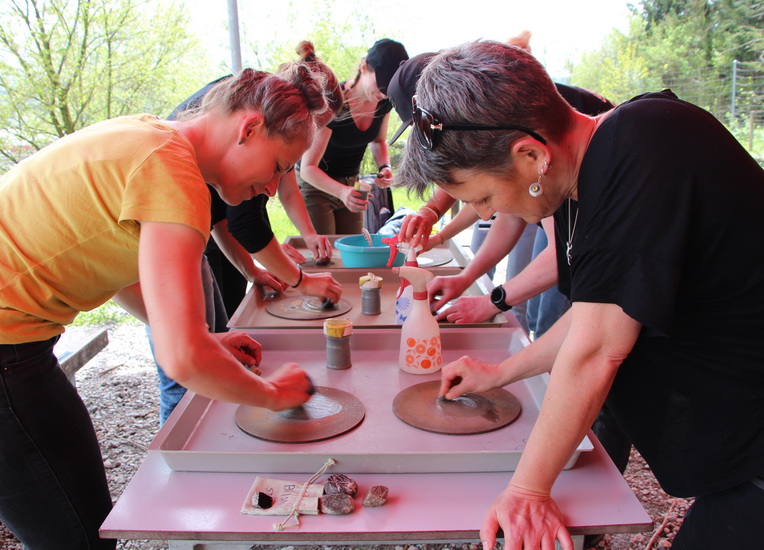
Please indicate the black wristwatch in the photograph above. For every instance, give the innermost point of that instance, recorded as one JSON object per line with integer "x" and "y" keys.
{"x": 498, "y": 295}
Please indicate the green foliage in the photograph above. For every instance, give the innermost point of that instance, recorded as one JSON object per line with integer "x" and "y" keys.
{"x": 65, "y": 64}
{"x": 708, "y": 52}
{"x": 107, "y": 314}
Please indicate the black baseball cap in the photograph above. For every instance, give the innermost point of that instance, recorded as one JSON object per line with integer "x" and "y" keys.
{"x": 385, "y": 56}
{"x": 402, "y": 88}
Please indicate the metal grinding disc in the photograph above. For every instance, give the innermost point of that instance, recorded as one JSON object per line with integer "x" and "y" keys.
{"x": 434, "y": 257}
{"x": 328, "y": 413}
{"x": 304, "y": 308}
{"x": 472, "y": 413}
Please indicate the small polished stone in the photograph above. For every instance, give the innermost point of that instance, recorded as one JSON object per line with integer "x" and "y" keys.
{"x": 375, "y": 496}
{"x": 340, "y": 483}
{"x": 336, "y": 504}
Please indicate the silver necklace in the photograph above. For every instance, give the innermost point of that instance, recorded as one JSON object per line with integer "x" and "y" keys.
{"x": 571, "y": 232}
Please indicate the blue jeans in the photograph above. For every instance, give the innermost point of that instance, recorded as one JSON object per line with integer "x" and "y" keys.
{"x": 170, "y": 392}
{"x": 545, "y": 308}
{"x": 53, "y": 489}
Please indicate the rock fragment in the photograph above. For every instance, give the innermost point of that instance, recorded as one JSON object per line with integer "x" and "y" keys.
{"x": 340, "y": 484}
{"x": 337, "y": 504}
{"x": 375, "y": 496}
{"x": 262, "y": 501}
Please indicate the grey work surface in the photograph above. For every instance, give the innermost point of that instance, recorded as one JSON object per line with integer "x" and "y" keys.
{"x": 203, "y": 435}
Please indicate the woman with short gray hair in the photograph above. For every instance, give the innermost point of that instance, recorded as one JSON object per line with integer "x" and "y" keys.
{"x": 651, "y": 200}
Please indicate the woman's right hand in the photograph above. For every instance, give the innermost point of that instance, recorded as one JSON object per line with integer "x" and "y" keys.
{"x": 290, "y": 387}
{"x": 468, "y": 374}
{"x": 322, "y": 285}
{"x": 352, "y": 199}
{"x": 416, "y": 229}
{"x": 528, "y": 519}
{"x": 445, "y": 288}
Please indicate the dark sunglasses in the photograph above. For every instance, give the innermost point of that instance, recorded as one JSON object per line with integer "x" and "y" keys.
{"x": 427, "y": 124}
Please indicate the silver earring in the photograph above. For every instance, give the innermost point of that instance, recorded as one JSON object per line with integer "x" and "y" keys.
{"x": 536, "y": 189}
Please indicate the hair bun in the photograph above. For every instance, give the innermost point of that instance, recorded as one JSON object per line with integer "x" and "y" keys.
{"x": 306, "y": 51}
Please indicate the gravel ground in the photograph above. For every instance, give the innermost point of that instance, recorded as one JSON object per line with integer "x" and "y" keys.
{"x": 119, "y": 388}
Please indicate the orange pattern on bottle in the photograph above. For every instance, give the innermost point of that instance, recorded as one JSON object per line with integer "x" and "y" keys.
{"x": 424, "y": 352}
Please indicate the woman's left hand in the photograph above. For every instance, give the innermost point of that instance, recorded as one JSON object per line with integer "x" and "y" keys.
{"x": 469, "y": 309}
{"x": 261, "y": 277}
{"x": 293, "y": 254}
{"x": 529, "y": 520}
{"x": 247, "y": 351}
{"x": 320, "y": 246}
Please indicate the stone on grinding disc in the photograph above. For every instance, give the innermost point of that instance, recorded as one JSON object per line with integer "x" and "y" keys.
{"x": 472, "y": 413}
{"x": 299, "y": 307}
{"x": 328, "y": 413}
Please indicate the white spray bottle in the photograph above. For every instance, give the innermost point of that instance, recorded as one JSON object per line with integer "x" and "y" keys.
{"x": 404, "y": 300}
{"x": 421, "y": 351}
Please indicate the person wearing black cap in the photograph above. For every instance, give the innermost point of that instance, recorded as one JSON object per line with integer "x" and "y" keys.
{"x": 330, "y": 168}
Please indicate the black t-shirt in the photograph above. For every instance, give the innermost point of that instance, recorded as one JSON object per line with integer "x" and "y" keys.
{"x": 248, "y": 221}
{"x": 670, "y": 228}
{"x": 347, "y": 145}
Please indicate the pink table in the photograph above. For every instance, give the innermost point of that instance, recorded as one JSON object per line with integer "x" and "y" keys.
{"x": 182, "y": 507}
{"x": 186, "y": 507}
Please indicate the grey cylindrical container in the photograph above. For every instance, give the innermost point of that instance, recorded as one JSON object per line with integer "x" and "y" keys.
{"x": 371, "y": 301}
{"x": 338, "y": 352}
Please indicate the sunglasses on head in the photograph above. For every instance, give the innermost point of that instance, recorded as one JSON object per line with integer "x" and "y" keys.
{"x": 426, "y": 126}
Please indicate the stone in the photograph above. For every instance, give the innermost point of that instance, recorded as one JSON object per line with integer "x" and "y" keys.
{"x": 375, "y": 496}
{"x": 340, "y": 484}
{"x": 262, "y": 501}
{"x": 338, "y": 504}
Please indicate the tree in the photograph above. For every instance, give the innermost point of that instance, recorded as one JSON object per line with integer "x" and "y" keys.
{"x": 65, "y": 64}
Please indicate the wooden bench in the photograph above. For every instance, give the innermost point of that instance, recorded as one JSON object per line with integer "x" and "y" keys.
{"x": 77, "y": 346}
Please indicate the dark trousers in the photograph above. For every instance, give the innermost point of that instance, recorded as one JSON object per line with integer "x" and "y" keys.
{"x": 53, "y": 489}
{"x": 724, "y": 520}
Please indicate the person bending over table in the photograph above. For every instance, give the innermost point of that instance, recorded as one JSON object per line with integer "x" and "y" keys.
{"x": 668, "y": 300}
{"x": 329, "y": 170}
{"x": 121, "y": 209}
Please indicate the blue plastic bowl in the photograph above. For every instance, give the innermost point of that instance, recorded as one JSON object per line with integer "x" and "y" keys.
{"x": 355, "y": 252}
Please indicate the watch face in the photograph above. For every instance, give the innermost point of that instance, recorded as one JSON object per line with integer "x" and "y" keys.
{"x": 497, "y": 295}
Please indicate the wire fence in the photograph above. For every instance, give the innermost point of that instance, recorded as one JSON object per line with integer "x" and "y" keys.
{"x": 736, "y": 98}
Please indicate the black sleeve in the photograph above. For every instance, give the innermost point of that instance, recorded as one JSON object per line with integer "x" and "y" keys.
{"x": 249, "y": 224}
{"x": 217, "y": 205}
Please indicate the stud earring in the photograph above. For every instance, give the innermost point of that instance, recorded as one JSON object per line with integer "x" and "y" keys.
{"x": 241, "y": 142}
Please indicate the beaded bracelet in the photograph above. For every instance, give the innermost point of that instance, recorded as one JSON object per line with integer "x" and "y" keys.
{"x": 298, "y": 280}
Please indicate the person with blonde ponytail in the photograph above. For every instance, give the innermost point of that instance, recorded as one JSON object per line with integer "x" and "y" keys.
{"x": 242, "y": 234}
{"x": 121, "y": 210}
{"x": 330, "y": 168}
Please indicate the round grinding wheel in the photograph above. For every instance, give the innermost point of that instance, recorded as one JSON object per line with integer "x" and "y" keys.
{"x": 305, "y": 308}
{"x": 434, "y": 257}
{"x": 328, "y": 413}
{"x": 472, "y": 413}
